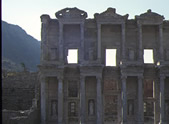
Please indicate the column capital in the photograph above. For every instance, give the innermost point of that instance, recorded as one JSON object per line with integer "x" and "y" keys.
{"x": 162, "y": 77}
{"x": 98, "y": 77}
{"x": 82, "y": 24}
{"x": 42, "y": 77}
{"x": 139, "y": 25}
{"x": 124, "y": 77}
{"x": 98, "y": 26}
{"x": 140, "y": 77}
{"x": 82, "y": 77}
{"x": 161, "y": 26}
{"x": 123, "y": 25}
{"x": 60, "y": 77}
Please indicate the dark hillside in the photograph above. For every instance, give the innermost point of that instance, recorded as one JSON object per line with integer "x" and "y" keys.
{"x": 19, "y": 47}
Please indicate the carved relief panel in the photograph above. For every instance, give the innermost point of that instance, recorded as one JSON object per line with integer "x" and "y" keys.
{"x": 110, "y": 107}
{"x": 110, "y": 84}
{"x": 72, "y": 89}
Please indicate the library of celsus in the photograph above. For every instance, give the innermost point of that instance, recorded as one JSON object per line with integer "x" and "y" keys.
{"x": 104, "y": 70}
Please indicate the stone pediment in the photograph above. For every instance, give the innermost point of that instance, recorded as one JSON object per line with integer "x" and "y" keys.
{"x": 110, "y": 14}
{"x": 150, "y": 17}
{"x": 71, "y": 13}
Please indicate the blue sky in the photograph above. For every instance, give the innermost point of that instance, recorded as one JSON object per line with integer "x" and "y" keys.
{"x": 26, "y": 13}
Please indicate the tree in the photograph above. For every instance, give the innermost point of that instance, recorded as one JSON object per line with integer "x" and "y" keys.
{"x": 23, "y": 66}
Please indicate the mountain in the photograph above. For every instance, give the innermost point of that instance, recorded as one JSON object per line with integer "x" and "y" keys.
{"x": 19, "y": 47}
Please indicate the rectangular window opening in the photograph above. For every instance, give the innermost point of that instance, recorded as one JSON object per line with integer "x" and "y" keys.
{"x": 72, "y": 57}
{"x": 111, "y": 57}
{"x": 148, "y": 56}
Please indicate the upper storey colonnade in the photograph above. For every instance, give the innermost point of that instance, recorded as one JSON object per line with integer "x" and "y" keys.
{"x": 107, "y": 30}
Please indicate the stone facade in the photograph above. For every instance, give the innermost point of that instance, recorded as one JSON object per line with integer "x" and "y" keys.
{"x": 89, "y": 92}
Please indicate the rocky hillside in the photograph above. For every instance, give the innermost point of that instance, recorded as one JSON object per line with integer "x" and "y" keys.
{"x": 19, "y": 47}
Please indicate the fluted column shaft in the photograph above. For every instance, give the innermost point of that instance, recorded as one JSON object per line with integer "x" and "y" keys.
{"x": 43, "y": 100}
{"x": 82, "y": 42}
{"x": 123, "y": 41}
{"x": 99, "y": 42}
{"x": 99, "y": 101}
{"x": 161, "y": 41}
{"x": 82, "y": 100}
{"x": 140, "y": 101}
{"x": 124, "y": 100}
{"x": 60, "y": 41}
{"x": 162, "y": 99}
{"x": 60, "y": 100}
{"x": 140, "y": 42}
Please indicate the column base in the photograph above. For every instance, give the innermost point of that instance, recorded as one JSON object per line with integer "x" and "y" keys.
{"x": 124, "y": 122}
{"x": 140, "y": 122}
{"x": 162, "y": 122}
{"x": 43, "y": 122}
{"x": 60, "y": 122}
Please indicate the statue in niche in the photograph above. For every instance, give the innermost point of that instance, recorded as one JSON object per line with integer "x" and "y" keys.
{"x": 91, "y": 54}
{"x": 54, "y": 108}
{"x": 131, "y": 54}
{"x": 130, "y": 108}
{"x": 91, "y": 107}
{"x": 167, "y": 108}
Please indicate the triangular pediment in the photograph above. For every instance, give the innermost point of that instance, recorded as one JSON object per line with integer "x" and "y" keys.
{"x": 69, "y": 13}
{"x": 150, "y": 16}
{"x": 110, "y": 13}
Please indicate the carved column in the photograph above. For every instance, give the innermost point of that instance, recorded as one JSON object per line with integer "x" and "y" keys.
{"x": 162, "y": 99}
{"x": 161, "y": 42}
{"x": 140, "y": 42}
{"x": 61, "y": 42}
{"x": 44, "y": 20}
{"x": 82, "y": 42}
{"x": 140, "y": 116}
{"x": 157, "y": 102}
{"x": 99, "y": 42}
{"x": 82, "y": 100}
{"x": 124, "y": 100}
{"x": 43, "y": 100}
{"x": 123, "y": 41}
{"x": 99, "y": 101}
{"x": 60, "y": 100}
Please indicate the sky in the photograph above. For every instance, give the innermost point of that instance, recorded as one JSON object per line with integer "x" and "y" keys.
{"x": 26, "y": 13}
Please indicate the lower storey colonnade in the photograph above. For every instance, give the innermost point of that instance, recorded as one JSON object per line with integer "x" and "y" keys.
{"x": 104, "y": 100}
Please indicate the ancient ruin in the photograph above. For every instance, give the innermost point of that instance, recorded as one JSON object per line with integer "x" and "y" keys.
{"x": 92, "y": 90}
